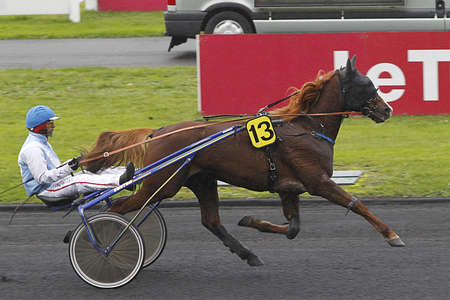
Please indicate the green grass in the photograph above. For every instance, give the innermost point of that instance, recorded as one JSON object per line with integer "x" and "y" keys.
{"x": 406, "y": 156}
{"x": 93, "y": 25}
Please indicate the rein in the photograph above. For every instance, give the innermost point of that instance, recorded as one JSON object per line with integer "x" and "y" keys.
{"x": 107, "y": 154}
{"x": 242, "y": 117}
{"x": 338, "y": 113}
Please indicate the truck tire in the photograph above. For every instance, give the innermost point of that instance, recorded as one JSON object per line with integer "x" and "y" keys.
{"x": 228, "y": 22}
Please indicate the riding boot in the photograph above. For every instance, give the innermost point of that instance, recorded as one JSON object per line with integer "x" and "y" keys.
{"x": 128, "y": 175}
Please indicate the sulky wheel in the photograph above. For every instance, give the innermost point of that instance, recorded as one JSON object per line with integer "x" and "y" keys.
{"x": 228, "y": 22}
{"x": 154, "y": 233}
{"x": 117, "y": 268}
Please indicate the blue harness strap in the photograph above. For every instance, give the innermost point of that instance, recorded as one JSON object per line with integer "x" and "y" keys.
{"x": 324, "y": 137}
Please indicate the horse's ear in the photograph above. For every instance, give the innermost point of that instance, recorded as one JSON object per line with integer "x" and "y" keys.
{"x": 349, "y": 69}
{"x": 353, "y": 62}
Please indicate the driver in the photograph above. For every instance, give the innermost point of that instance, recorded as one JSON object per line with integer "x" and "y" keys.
{"x": 42, "y": 172}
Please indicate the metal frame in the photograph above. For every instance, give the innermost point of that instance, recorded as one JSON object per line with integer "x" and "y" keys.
{"x": 184, "y": 155}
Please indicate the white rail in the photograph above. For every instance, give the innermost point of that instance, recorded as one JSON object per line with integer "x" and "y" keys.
{"x": 339, "y": 177}
{"x": 46, "y": 7}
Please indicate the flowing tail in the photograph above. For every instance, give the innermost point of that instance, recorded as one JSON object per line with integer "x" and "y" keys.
{"x": 109, "y": 141}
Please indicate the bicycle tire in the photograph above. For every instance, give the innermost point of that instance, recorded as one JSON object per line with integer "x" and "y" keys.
{"x": 154, "y": 234}
{"x": 117, "y": 268}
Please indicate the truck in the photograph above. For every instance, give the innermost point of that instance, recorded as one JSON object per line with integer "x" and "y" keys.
{"x": 185, "y": 19}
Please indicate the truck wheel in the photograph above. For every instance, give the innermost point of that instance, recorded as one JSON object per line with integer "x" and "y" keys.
{"x": 228, "y": 22}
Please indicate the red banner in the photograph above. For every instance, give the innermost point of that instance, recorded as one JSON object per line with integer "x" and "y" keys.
{"x": 242, "y": 73}
{"x": 132, "y": 5}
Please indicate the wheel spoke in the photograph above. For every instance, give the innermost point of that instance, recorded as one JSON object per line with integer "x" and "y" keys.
{"x": 154, "y": 233}
{"x": 118, "y": 267}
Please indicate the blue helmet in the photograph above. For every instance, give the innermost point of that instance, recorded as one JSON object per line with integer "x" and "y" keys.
{"x": 38, "y": 115}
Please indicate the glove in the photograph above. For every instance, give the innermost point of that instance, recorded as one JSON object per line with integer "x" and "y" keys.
{"x": 74, "y": 163}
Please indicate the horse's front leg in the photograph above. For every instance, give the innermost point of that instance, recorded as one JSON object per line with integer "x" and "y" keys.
{"x": 205, "y": 188}
{"x": 330, "y": 190}
{"x": 290, "y": 203}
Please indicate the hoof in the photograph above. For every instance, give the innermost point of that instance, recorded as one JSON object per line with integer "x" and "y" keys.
{"x": 291, "y": 234}
{"x": 245, "y": 221}
{"x": 254, "y": 261}
{"x": 293, "y": 228}
{"x": 396, "y": 242}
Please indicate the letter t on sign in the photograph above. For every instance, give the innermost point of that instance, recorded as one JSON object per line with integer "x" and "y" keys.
{"x": 430, "y": 60}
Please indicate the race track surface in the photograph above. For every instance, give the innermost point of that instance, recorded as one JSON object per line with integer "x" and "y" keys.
{"x": 334, "y": 257}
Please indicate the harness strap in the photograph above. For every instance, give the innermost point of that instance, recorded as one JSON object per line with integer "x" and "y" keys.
{"x": 272, "y": 176}
{"x": 316, "y": 134}
{"x": 329, "y": 140}
{"x": 342, "y": 87}
{"x": 278, "y": 101}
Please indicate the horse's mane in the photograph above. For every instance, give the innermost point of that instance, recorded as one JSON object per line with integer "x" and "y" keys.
{"x": 109, "y": 141}
{"x": 306, "y": 97}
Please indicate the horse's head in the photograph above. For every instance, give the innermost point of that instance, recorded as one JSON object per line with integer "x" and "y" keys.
{"x": 359, "y": 94}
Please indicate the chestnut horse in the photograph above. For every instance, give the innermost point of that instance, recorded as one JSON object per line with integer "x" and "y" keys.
{"x": 302, "y": 157}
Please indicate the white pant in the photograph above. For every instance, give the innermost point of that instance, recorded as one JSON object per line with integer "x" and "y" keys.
{"x": 82, "y": 182}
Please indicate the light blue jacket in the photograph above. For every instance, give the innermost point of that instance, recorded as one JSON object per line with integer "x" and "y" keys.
{"x": 38, "y": 163}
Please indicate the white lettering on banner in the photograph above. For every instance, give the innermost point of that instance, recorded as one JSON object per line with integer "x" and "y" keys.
{"x": 397, "y": 77}
{"x": 430, "y": 60}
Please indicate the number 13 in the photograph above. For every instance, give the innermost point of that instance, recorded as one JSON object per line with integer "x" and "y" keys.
{"x": 261, "y": 131}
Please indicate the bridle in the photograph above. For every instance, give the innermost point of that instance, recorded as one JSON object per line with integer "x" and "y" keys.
{"x": 368, "y": 109}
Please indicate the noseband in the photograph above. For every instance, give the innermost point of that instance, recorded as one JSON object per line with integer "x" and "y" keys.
{"x": 369, "y": 108}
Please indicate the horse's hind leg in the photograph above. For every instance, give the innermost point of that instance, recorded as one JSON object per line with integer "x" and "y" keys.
{"x": 205, "y": 188}
{"x": 328, "y": 189}
{"x": 290, "y": 204}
